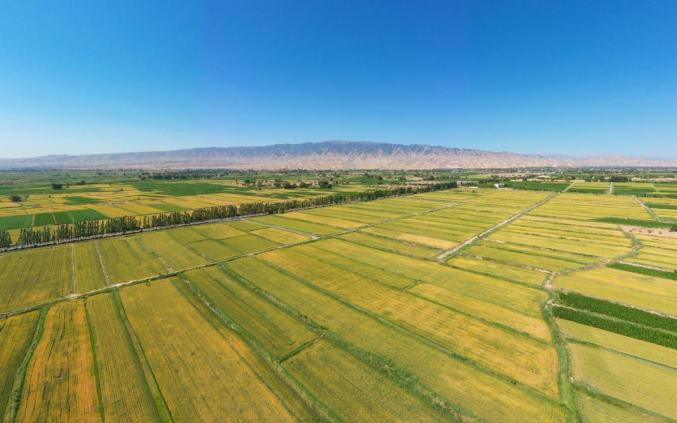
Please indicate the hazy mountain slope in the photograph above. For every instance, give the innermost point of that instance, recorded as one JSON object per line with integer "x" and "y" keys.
{"x": 323, "y": 155}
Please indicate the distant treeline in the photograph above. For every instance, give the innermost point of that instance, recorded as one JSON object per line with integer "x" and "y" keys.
{"x": 125, "y": 224}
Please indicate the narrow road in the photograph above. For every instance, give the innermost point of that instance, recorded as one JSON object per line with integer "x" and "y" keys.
{"x": 497, "y": 226}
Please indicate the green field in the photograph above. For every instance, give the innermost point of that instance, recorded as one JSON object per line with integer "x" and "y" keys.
{"x": 384, "y": 310}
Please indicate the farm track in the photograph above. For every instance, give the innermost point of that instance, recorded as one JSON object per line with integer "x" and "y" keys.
{"x": 648, "y": 209}
{"x": 452, "y": 251}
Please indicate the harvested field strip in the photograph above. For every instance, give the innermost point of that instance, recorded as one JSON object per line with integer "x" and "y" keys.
{"x": 484, "y": 288}
{"x": 434, "y": 374}
{"x": 593, "y": 410}
{"x": 88, "y": 274}
{"x": 278, "y": 333}
{"x": 640, "y": 383}
{"x": 126, "y": 259}
{"x": 125, "y": 394}
{"x": 34, "y": 276}
{"x": 203, "y": 373}
{"x": 298, "y": 225}
{"x": 354, "y": 391}
{"x": 629, "y": 288}
{"x": 16, "y": 334}
{"x": 518, "y": 357}
{"x": 532, "y": 326}
{"x": 496, "y": 269}
{"x": 619, "y": 343}
{"x": 379, "y": 242}
{"x": 280, "y": 236}
{"x": 60, "y": 380}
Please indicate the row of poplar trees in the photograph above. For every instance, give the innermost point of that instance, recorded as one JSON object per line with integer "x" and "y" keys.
{"x": 125, "y": 224}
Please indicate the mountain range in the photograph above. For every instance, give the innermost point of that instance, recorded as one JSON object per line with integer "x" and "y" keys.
{"x": 325, "y": 155}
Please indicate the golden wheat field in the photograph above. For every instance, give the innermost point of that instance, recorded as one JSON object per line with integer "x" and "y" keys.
{"x": 460, "y": 305}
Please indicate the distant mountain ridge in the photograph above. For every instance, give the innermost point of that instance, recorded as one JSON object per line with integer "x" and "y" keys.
{"x": 324, "y": 155}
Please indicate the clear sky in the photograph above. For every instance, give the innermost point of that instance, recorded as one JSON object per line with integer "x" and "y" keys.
{"x": 573, "y": 77}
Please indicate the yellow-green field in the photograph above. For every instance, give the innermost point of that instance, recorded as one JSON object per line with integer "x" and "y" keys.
{"x": 460, "y": 305}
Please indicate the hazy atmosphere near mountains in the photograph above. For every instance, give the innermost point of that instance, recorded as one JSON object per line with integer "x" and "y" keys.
{"x": 556, "y": 77}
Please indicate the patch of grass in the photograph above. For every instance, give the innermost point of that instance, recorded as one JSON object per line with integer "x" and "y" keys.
{"x": 644, "y": 271}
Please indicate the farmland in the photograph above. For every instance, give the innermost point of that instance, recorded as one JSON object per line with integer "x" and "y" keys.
{"x": 468, "y": 304}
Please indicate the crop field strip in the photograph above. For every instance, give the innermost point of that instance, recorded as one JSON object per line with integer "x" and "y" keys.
{"x": 130, "y": 288}
{"x": 294, "y": 309}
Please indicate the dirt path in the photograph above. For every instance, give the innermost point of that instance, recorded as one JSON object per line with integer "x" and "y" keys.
{"x": 441, "y": 257}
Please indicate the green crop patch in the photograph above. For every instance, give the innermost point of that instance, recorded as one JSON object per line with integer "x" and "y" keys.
{"x": 645, "y": 223}
{"x": 662, "y": 206}
{"x": 42, "y": 219}
{"x": 81, "y": 200}
{"x": 16, "y": 222}
{"x": 537, "y": 185}
{"x": 645, "y": 271}
{"x": 180, "y": 188}
{"x": 86, "y": 214}
{"x": 622, "y": 327}
{"x": 167, "y": 207}
{"x": 617, "y": 311}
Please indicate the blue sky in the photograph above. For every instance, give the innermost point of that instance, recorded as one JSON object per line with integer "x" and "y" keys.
{"x": 572, "y": 77}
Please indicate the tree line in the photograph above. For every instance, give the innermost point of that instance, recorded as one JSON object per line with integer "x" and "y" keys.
{"x": 126, "y": 224}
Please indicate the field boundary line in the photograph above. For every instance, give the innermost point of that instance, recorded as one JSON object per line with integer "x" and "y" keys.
{"x": 648, "y": 209}
{"x": 14, "y": 401}
{"x": 95, "y": 362}
{"x": 441, "y": 257}
{"x": 590, "y": 391}
{"x": 564, "y": 377}
{"x": 73, "y": 280}
{"x": 159, "y": 402}
{"x": 101, "y": 263}
{"x": 574, "y": 340}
